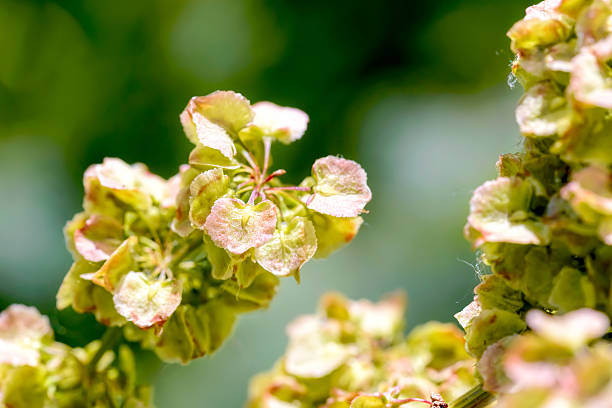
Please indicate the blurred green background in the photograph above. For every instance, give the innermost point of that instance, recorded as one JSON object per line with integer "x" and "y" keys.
{"x": 414, "y": 90}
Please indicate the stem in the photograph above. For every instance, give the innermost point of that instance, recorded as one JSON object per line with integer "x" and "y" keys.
{"x": 276, "y": 173}
{"x": 267, "y": 145}
{"x": 111, "y": 337}
{"x": 290, "y": 188}
{"x": 474, "y": 398}
{"x": 253, "y": 196}
{"x": 407, "y": 400}
{"x": 253, "y": 164}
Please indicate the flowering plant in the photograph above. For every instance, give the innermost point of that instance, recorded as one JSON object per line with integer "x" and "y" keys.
{"x": 171, "y": 263}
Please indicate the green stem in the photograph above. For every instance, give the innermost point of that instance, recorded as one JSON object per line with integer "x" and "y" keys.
{"x": 111, "y": 337}
{"x": 474, "y": 398}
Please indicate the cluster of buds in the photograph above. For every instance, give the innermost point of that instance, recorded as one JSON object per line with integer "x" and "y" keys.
{"x": 544, "y": 226}
{"x": 175, "y": 261}
{"x": 353, "y": 354}
{"x": 37, "y": 372}
{"x": 554, "y": 365}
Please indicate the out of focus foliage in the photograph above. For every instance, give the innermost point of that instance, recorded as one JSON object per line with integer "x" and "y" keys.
{"x": 353, "y": 354}
{"x": 38, "y": 372}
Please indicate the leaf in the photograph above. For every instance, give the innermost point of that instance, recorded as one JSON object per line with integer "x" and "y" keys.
{"x": 499, "y": 212}
{"x": 144, "y": 301}
{"x": 258, "y": 293}
{"x": 340, "y": 188}
{"x": 24, "y": 387}
{"x": 181, "y": 224}
{"x": 22, "y": 330}
{"x": 118, "y": 264}
{"x": 490, "y": 326}
{"x": 494, "y": 292}
{"x": 205, "y": 189}
{"x": 175, "y": 343}
{"x": 365, "y": 401}
{"x": 435, "y": 345}
{"x": 278, "y": 122}
{"x": 237, "y": 227}
{"x": 86, "y": 297}
{"x": 333, "y": 232}
{"x": 509, "y": 165}
{"x": 227, "y": 109}
{"x": 220, "y": 261}
{"x": 204, "y": 157}
{"x": 292, "y": 245}
{"x": 98, "y": 238}
{"x": 572, "y": 290}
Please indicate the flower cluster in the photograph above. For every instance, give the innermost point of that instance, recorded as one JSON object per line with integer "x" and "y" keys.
{"x": 174, "y": 261}
{"x": 544, "y": 226}
{"x": 36, "y": 372}
{"x": 352, "y": 354}
{"x": 552, "y": 366}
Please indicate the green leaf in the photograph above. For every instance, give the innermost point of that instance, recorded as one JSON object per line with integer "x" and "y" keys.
{"x": 204, "y": 157}
{"x": 220, "y": 260}
{"x": 205, "y": 189}
{"x": 490, "y": 326}
{"x": 292, "y": 245}
{"x": 365, "y": 401}
{"x": 24, "y": 387}
{"x": 118, "y": 264}
{"x": 181, "y": 223}
{"x": 333, "y": 232}
{"x": 495, "y": 293}
{"x": 259, "y": 293}
{"x": 84, "y": 296}
{"x": 572, "y": 290}
{"x": 436, "y": 345}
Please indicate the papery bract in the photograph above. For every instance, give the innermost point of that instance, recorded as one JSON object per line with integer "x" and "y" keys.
{"x": 340, "y": 188}
{"x": 237, "y": 227}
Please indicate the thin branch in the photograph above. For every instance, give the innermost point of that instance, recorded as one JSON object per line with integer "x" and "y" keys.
{"x": 276, "y": 173}
{"x": 252, "y": 162}
{"x": 267, "y": 146}
{"x": 288, "y": 188}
